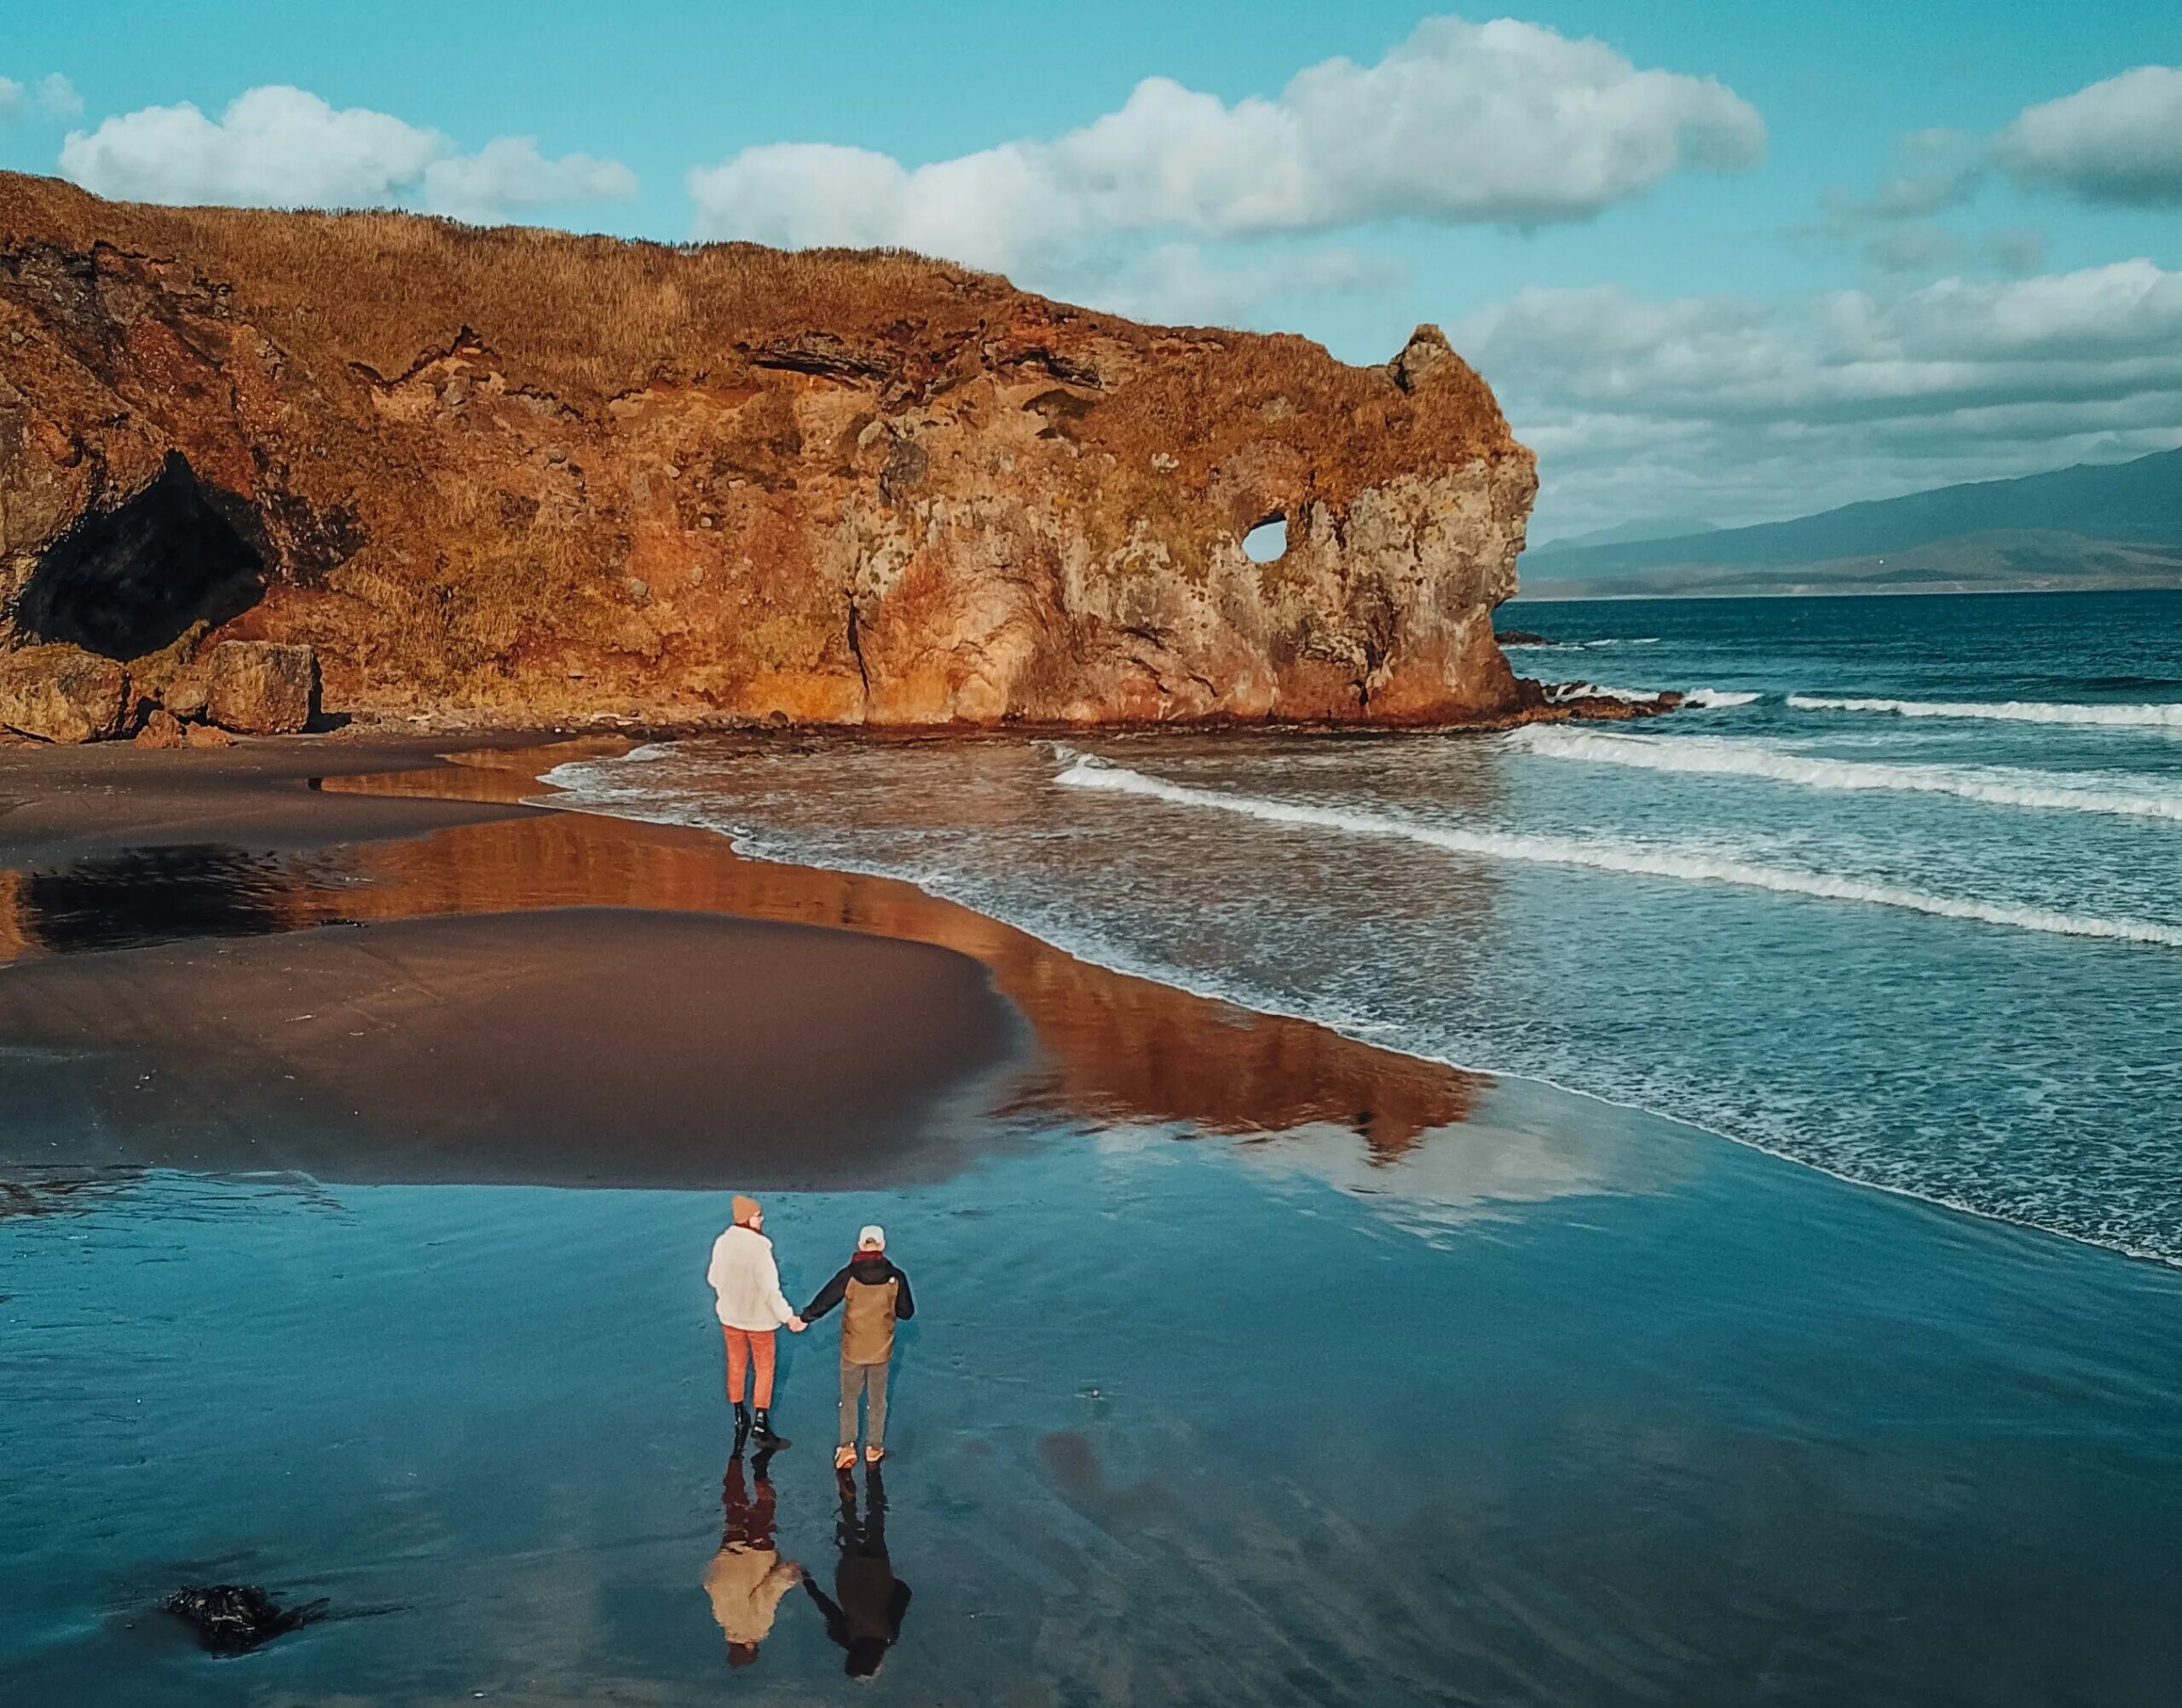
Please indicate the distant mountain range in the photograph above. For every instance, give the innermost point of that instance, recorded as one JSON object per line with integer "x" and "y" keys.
{"x": 2106, "y": 525}
{"x": 1629, "y": 533}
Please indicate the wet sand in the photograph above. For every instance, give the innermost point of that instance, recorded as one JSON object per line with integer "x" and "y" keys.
{"x": 59, "y": 804}
{"x": 1396, "y": 1387}
{"x": 309, "y": 945}
{"x": 569, "y": 1047}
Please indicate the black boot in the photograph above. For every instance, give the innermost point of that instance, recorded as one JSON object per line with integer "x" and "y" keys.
{"x": 763, "y": 1434}
{"x": 741, "y": 1425}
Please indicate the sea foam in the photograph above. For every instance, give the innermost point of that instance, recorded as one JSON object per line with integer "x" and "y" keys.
{"x": 1560, "y": 693}
{"x": 1711, "y": 756}
{"x": 2156, "y": 716}
{"x": 1606, "y": 854}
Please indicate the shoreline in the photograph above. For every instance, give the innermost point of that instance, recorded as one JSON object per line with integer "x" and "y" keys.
{"x": 450, "y": 850}
{"x": 1485, "y": 1077}
{"x": 1171, "y": 1383}
{"x": 1097, "y": 1044}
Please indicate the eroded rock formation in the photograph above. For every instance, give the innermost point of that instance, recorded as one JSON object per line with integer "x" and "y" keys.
{"x": 261, "y": 689}
{"x": 528, "y": 475}
{"x": 61, "y": 694}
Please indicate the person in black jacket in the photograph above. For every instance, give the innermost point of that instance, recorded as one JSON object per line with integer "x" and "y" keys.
{"x": 867, "y": 1619}
{"x": 873, "y": 1296}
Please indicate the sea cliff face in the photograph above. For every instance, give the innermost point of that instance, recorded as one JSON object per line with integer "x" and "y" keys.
{"x": 528, "y": 475}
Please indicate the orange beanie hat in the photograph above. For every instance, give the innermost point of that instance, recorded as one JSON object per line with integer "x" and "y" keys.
{"x": 746, "y": 1210}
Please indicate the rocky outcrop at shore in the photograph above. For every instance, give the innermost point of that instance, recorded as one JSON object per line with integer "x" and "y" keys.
{"x": 62, "y": 694}
{"x": 65, "y": 695}
{"x": 525, "y": 476}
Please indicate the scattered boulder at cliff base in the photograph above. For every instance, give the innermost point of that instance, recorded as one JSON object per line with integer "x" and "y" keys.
{"x": 63, "y": 694}
{"x": 162, "y": 729}
{"x": 261, "y": 688}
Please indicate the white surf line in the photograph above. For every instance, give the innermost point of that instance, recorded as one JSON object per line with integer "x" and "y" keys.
{"x": 2157, "y": 716}
{"x": 1709, "y": 756}
{"x": 1368, "y": 1031}
{"x": 1696, "y": 699}
{"x": 1603, "y": 855}
{"x": 1560, "y": 693}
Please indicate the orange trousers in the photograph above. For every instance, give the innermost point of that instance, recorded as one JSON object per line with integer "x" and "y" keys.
{"x": 746, "y": 1348}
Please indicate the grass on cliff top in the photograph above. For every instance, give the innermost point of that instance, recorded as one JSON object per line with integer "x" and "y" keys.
{"x": 585, "y": 317}
{"x": 585, "y": 314}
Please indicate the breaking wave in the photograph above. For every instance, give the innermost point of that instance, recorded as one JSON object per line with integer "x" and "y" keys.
{"x": 1559, "y": 693}
{"x": 1581, "y": 645}
{"x": 1697, "y": 698}
{"x": 1605, "y": 855}
{"x": 2157, "y": 716}
{"x": 1710, "y": 756}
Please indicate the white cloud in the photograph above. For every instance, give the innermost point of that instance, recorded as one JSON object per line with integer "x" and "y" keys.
{"x": 1175, "y": 283}
{"x": 273, "y": 145}
{"x": 281, "y": 147}
{"x": 2105, "y": 330}
{"x": 1502, "y": 123}
{"x": 509, "y": 173}
{"x": 51, "y": 96}
{"x": 2117, "y": 142}
{"x": 2018, "y": 250}
{"x": 1932, "y": 172}
{"x": 1728, "y": 408}
{"x": 1920, "y": 248}
{"x": 56, "y": 96}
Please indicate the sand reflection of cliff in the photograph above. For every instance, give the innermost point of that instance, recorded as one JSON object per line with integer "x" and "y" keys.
{"x": 1116, "y": 1046}
{"x": 15, "y": 930}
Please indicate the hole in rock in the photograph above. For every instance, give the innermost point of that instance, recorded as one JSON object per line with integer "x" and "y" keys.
{"x": 129, "y": 581}
{"x": 1267, "y": 541}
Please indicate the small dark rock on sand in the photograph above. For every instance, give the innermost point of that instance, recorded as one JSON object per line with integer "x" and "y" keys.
{"x": 235, "y": 1618}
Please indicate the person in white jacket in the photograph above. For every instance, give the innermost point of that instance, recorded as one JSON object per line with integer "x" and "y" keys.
{"x": 746, "y": 1286}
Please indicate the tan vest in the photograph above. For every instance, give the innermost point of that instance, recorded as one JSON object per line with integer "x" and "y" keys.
{"x": 868, "y": 1321}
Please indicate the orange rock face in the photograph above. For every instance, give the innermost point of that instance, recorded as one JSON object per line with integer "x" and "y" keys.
{"x": 528, "y": 475}
{"x": 61, "y": 694}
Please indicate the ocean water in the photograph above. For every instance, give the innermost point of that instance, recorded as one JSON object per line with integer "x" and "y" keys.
{"x": 1897, "y": 898}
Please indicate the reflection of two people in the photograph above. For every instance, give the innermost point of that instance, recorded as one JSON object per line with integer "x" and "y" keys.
{"x": 748, "y": 1578}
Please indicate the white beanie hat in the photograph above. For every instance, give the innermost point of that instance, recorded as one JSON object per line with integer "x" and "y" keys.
{"x": 872, "y": 1238}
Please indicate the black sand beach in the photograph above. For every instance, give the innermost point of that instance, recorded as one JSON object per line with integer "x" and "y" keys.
{"x": 1392, "y": 1384}
{"x": 306, "y": 946}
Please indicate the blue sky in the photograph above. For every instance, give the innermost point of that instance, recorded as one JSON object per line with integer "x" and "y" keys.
{"x": 1721, "y": 261}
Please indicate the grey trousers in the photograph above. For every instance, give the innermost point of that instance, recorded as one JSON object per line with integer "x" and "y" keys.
{"x": 857, "y": 1380}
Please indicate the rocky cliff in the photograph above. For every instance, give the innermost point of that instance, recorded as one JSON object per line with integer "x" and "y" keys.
{"x": 528, "y": 475}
